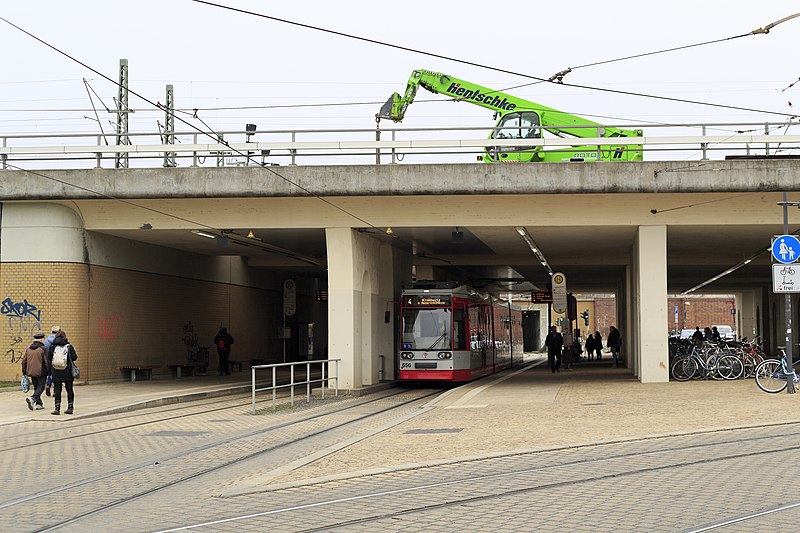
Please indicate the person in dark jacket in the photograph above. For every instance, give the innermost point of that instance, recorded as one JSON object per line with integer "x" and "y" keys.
{"x": 62, "y": 376}
{"x": 614, "y": 342}
{"x": 697, "y": 336}
{"x": 34, "y": 365}
{"x": 223, "y": 342}
{"x": 590, "y": 347}
{"x": 598, "y": 344}
{"x": 554, "y": 342}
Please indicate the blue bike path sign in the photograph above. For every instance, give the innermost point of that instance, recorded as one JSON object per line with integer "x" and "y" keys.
{"x": 786, "y": 249}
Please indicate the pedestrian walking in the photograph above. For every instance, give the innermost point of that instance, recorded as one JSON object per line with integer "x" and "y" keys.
{"x": 590, "y": 347}
{"x": 614, "y": 341}
{"x": 554, "y": 342}
{"x": 47, "y": 342}
{"x": 34, "y": 365}
{"x": 223, "y": 342}
{"x": 598, "y": 345}
{"x": 61, "y": 357}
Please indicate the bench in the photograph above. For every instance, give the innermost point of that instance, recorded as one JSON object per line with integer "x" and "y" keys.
{"x": 145, "y": 370}
{"x": 235, "y": 365}
{"x": 179, "y": 368}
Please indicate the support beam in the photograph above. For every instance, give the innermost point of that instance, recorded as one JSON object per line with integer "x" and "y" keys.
{"x": 650, "y": 300}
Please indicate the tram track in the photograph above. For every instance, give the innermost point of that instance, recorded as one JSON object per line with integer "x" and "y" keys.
{"x": 580, "y": 465}
{"x": 105, "y": 420}
{"x": 201, "y": 471}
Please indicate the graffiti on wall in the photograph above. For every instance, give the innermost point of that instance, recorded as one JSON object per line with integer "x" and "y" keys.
{"x": 109, "y": 327}
{"x": 195, "y": 353}
{"x": 15, "y": 352}
{"x": 23, "y": 317}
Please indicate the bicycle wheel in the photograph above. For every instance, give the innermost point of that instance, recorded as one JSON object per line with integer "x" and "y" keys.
{"x": 750, "y": 363}
{"x": 770, "y": 377}
{"x": 683, "y": 369}
{"x": 729, "y": 367}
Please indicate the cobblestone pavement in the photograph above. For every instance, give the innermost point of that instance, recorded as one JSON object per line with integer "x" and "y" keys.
{"x": 588, "y": 450}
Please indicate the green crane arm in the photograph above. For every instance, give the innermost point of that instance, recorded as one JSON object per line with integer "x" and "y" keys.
{"x": 552, "y": 120}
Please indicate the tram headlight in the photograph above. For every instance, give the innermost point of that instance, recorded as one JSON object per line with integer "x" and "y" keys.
{"x": 407, "y": 355}
{"x": 444, "y": 355}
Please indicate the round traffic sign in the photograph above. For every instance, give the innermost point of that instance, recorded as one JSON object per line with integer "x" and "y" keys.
{"x": 786, "y": 249}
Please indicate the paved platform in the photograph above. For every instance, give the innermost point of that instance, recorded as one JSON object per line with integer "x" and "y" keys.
{"x": 525, "y": 409}
{"x": 118, "y": 397}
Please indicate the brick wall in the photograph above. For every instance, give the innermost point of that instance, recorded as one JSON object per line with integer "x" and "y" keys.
{"x": 703, "y": 312}
{"x": 116, "y": 317}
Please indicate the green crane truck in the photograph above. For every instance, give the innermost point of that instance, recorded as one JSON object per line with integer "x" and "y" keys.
{"x": 518, "y": 119}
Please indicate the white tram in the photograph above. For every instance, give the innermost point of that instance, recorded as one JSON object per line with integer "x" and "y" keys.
{"x": 452, "y": 332}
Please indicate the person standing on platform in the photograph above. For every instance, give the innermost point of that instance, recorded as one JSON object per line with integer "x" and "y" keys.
{"x": 614, "y": 342}
{"x": 589, "y": 346}
{"x": 223, "y": 342}
{"x": 60, "y": 357}
{"x": 554, "y": 343}
{"x": 47, "y": 342}
{"x": 34, "y": 365}
{"x": 598, "y": 345}
{"x": 697, "y": 336}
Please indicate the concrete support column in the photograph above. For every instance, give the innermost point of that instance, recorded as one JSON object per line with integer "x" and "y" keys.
{"x": 650, "y": 301}
{"x": 746, "y": 316}
{"x": 361, "y": 289}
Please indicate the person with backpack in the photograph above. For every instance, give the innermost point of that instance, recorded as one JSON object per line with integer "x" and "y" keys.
{"x": 223, "y": 342}
{"x": 60, "y": 357}
{"x": 47, "y": 342}
{"x": 614, "y": 342}
{"x": 34, "y": 365}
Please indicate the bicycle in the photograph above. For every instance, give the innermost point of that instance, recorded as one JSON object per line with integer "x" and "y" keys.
{"x": 706, "y": 363}
{"x": 772, "y": 375}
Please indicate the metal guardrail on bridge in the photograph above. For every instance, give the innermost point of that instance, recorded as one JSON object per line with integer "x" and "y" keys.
{"x": 372, "y": 146}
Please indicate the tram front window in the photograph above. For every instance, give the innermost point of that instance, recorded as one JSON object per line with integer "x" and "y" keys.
{"x": 426, "y": 329}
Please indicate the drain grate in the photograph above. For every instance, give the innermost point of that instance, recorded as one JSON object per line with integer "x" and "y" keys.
{"x": 433, "y": 431}
{"x": 176, "y": 433}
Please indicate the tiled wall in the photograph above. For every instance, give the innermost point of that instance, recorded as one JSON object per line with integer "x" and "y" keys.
{"x": 117, "y": 317}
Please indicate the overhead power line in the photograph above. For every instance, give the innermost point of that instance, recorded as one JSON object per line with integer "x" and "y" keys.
{"x": 757, "y": 31}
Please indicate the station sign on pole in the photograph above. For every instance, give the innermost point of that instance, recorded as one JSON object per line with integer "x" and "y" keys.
{"x": 559, "y": 292}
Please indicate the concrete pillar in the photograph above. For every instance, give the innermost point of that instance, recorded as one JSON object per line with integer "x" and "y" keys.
{"x": 650, "y": 300}
{"x": 746, "y": 317}
{"x": 360, "y": 287}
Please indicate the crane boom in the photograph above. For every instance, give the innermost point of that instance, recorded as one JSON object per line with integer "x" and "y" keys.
{"x": 517, "y": 118}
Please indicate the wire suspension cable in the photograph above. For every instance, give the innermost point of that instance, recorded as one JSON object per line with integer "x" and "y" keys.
{"x": 504, "y": 71}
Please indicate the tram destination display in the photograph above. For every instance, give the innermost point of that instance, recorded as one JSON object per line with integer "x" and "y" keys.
{"x": 428, "y": 300}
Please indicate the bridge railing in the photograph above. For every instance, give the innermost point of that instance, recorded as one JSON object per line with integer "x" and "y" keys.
{"x": 374, "y": 146}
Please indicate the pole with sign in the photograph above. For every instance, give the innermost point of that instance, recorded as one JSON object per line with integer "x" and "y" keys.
{"x": 289, "y": 308}
{"x": 785, "y": 250}
{"x": 559, "y": 292}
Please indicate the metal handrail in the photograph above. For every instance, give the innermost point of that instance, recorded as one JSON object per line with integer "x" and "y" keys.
{"x": 292, "y": 383}
{"x": 740, "y": 137}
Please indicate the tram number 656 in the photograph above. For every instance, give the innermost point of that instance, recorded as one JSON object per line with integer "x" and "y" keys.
{"x": 405, "y": 365}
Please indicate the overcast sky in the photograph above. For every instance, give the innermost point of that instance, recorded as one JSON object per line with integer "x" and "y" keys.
{"x": 217, "y": 58}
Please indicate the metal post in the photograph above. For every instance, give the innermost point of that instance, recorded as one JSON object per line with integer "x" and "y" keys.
{"x": 122, "y": 114}
{"x": 293, "y": 151}
{"x": 704, "y": 146}
{"x": 377, "y": 138}
{"x": 324, "y": 384}
{"x": 394, "y": 150}
{"x": 308, "y": 382}
{"x": 253, "y": 381}
{"x": 274, "y": 390}
{"x": 787, "y": 302}
{"x": 194, "y": 154}
{"x": 169, "y": 126}
{"x": 291, "y": 384}
{"x": 766, "y": 152}
{"x": 336, "y": 379}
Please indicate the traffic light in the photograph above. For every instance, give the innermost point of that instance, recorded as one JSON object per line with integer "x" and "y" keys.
{"x": 585, "y": 317}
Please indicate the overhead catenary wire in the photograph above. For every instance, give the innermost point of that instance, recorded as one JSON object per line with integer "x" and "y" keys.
{"x": 507, "y": 71}
{"x": 210, "y": 134}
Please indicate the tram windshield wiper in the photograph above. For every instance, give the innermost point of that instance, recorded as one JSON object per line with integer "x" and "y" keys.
{"x": 436, "y": 341}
